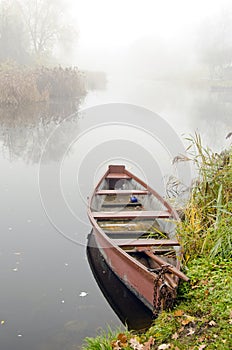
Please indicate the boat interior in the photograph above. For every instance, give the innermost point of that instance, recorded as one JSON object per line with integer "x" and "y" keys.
{"x": 143, "y": 228}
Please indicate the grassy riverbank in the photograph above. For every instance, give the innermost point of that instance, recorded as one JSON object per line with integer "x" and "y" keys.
{"x": 202, "y": 317}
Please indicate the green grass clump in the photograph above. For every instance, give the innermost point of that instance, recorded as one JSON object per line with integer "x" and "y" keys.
{"x": 203, "y": 314}
{"x": 104, "y": 340}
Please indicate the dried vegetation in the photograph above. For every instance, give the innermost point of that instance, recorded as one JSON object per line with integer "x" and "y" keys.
{"x": 23, "y": 85}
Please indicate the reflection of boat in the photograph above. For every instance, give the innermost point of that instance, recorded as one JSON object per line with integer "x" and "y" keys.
{"x": 137, "y": 236}
{"x": 129, "y": 309}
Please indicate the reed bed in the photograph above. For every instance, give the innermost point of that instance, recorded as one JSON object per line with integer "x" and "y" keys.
{"x": 207, "y": 228}
{"x": 23, "y": 85}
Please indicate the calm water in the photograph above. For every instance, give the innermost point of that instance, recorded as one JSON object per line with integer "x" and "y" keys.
{"x": 51, "y": 157}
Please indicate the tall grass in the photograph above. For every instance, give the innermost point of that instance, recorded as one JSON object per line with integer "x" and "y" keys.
{"x": 25, "y": 85}
{"x": 207, "y": 228}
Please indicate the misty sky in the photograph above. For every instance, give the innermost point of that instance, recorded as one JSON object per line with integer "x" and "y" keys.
{"x": 112, "y": 26}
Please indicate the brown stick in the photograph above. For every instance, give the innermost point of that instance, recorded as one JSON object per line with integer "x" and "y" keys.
{"x": 161, "y": 262}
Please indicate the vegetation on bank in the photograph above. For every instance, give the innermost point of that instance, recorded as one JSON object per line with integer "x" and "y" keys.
{"x": 22, "y": 85}
{"x": 202, "y": 317}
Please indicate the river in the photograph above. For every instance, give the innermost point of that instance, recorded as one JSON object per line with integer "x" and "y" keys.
{"x": 51, "y": 157}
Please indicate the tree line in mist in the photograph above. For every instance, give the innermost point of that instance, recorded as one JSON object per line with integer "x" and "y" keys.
{"x": 31, "y": 30}
{"x": 30, "y": 33}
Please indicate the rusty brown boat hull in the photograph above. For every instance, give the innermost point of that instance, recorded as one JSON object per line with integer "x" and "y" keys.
{"x": 144, "y": 262}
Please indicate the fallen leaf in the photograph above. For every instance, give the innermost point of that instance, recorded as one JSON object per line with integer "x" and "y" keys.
{"x": 175, "y": 336}
{"x": 191, "y": 331}
{"x": 201, "y": 338}
{"x": 122, "y": 337}
{"x": 178, "y": 313}
{"x": 212, "y": 323}
{"x": 122, "y": 340}
{"x": 135, "y": 344}
{"x": 204, "y": 282}
{"x": 164, "y": 346}
{"x": 115, "y": 345}
{"x": 148, "y": 344}
{"x": 202, "y": 347}
{"x": 187, "y": 320}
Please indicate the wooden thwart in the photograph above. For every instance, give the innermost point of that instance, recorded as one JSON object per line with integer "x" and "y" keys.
{"x": 145, "y": 242}
{"x": 147, "y": 214}
{"x": 123, "y": 192}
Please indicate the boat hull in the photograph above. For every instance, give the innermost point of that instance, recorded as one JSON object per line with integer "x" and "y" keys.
{"x": 134, "y": 275}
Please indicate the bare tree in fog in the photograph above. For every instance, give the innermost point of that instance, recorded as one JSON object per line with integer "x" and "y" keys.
{"x": 14, "y": 43}
{"x": 46, "y": 25}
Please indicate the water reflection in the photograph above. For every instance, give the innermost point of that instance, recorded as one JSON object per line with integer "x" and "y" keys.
{"x": 24, "y": 130}
{"x": 128, "y": 308}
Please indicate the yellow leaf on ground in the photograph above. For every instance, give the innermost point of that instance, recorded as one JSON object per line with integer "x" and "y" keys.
{"x": 178, "y": 313}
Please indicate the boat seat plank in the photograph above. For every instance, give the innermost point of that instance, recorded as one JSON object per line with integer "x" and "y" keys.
{"x": 131, "y": 214}
{"x": 128, "y": 232}
{"x": 117, "y": 176}
{"x": 145, "y": 242}
{"x": 122, "y": 192}
{"x": 120, "y": 204}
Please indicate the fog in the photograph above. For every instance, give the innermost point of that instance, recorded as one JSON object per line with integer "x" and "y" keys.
{"x": 156, "y": 38}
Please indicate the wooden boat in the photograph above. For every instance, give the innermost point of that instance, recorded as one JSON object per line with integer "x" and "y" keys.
{"x": 136, "y": 236}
